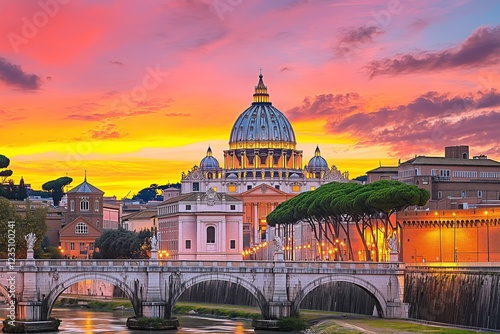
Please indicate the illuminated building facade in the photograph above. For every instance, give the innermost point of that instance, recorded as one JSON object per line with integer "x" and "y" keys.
{"x": 262, "y": 166}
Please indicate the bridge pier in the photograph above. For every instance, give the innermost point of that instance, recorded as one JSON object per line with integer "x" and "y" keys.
{"x": 279, "y": 305}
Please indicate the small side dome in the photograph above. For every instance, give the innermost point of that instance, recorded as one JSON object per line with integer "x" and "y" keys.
{"x": 294, "y": 176}
{"x": 317, "y": 163}
{"x": 232, "y": 176}
{"x": 209, "y": 163}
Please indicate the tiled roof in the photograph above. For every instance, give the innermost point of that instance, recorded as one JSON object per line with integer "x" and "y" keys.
{"x": 422, "y": 160}
{"x": 86, "y": 187}
{"x": 383, "y": 169}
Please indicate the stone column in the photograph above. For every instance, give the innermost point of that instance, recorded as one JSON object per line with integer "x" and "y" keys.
{"x": 279, "y": 306}
{"x": 154, "y": 306}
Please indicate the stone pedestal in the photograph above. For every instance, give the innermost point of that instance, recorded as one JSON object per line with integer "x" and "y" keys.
{"x": 154, "y": 309}
{"x": 30, "y": 260}
{"x": 279, "y": 256}
{"x": 279, "y": 309}
{"x": 29, "y": 311}
{"x": 153, "y": 261}
{"x": 394, "y": 257}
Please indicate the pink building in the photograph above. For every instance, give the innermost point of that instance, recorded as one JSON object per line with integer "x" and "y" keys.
{"x": 201, "y": 226}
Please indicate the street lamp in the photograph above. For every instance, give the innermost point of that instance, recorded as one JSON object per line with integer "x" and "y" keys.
{"x": 454, "y": 237}
{"x": 440, "y": 238}
{"x": 487, "y": 234}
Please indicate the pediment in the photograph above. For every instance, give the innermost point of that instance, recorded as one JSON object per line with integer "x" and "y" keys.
{"x": 262, "y": 190}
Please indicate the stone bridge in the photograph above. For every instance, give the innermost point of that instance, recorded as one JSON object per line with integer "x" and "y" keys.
{"x": 153, "y": 286}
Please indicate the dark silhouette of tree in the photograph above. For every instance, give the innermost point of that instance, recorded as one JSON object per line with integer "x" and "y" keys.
{"x": 31, "y": 220}
{"x": 5, "y": 173}
{"x": 56, "y": 188}
{"x": 123, "y": 244}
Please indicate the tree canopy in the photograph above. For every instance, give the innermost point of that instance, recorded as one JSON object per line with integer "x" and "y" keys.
{"x": 5, "y": 173}
{"x": 30, "y": 220}
{"x": 123, "y": 244}
{"x": 333, "y": 208}
{"x": 56, "y": 188}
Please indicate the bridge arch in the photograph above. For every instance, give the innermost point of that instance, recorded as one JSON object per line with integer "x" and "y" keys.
{"x": 259, "y": 296}
{"x": 49, "y": 300}
{"x": 380, "y": 301}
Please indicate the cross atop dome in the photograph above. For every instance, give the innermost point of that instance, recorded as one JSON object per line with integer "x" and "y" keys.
{"x": 261, "y": 95}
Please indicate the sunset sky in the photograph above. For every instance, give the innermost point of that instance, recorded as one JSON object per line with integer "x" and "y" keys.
{"x": 134, "y": 92}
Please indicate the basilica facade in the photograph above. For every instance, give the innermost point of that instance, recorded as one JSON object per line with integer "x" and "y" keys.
{"x": 262, "y": 166}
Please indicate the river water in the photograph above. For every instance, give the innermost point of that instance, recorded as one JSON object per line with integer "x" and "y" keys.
{"x": 89, "y": 322}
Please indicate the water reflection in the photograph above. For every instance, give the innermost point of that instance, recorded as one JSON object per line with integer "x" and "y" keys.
{"x": 89, "y": 322}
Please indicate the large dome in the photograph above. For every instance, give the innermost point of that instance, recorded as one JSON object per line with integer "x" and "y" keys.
{"x": 262, "y": 125}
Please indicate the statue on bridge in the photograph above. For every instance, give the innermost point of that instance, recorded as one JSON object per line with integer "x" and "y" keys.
{"x": 392, "y": 242}
{"x": 155, "y": 243}
{"x": 278, "y": 244}
{"x": 30, "y": 240}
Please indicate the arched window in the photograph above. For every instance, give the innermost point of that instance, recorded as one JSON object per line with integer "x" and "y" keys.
{"x": 84, "y": 204}
{"x": 96, "y": 205}
{"x": 72, "y": 205}
{"x": 81, "y": 228}
{"x": 210, "y": 235}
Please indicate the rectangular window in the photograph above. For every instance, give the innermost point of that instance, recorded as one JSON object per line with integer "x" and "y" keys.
{"x": 188, "y": 207}
{"x": 232, "y": 244}
{"x": 440, "y": 194}
{"x": 82, "y": 246}
{"x": 188, "y": 244}
{"x": 233, "y": 207}
{"x": 72, "y": 205}
{"x": 91, "y": 246}
{"x": 96, "y": 205}
{"x": 231, "y": 188}
{"x": 434, "y": 172}
{"x": 196, "y": 186}
{"x": 479, "y": 193}
{"x": 464, "y": 194}
{"x": 277, "y": 186}
{"x": 249, "y": 187}
{"x": 295, "y": 188}
{"x": 72, "y": 246}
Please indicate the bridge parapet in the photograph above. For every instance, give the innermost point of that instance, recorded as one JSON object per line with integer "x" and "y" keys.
{"x": 455, "y": 267}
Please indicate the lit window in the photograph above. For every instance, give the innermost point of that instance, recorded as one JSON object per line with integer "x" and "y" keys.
{"x": 81, "y": 228}
{"x": 313, "y": 188}
{"x": 96, "y": 205}
{"x": 231, "y": 188}
{"x": 295, "y": 188}
{"x": 210, "y": 235}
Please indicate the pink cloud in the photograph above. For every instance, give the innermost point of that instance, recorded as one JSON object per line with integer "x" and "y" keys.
{"x": 481, "y": 48}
